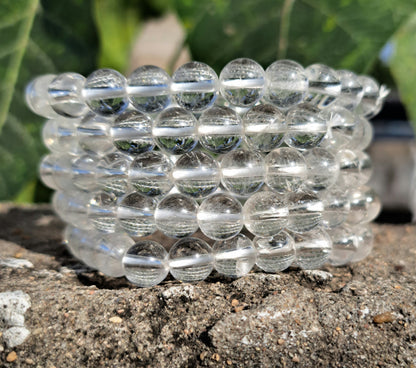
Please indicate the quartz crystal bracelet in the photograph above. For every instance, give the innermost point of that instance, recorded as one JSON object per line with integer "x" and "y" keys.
{"x": 278, "y": 152}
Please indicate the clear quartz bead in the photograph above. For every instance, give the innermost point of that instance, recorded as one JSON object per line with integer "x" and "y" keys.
{"x": 312, "y": 248}
{"x": 344, "y": 245}
{"x": 191, "y": 260}
{"x": 349, "y": 166}
{"x": 196, "y": 174}
{"x": 149, "y": 89}
{"x": 72, "y": 207}
{"x": 305, "y": 211}
{"x": 242, "y": 82}
{"x": 336, "y": 207}
{"x": 324, "y": 85}
{"x": 264, "y": 127}
{"x": 286, "y": 169}
{"x": 265, "y": 214}
{"x": 46, "y": 169}
{"x": 36, "y": 95}
{"x": 220, "y": 129}
{"x": 365, "y": 167}
{"x": 362, "y": 136}
{"x": 65, "y": 95}
{"x": 365, "y": 205}
{"x": 369, "y": 105}
{"x": 94, "y": 134}
{"x": 176, "y": 215}
{"x": 131, "y": 133}
{"x": 220, "y": 217}
{"x": 234, "y": 257}
{"x": 175, "y": 131}
{"x": 105, "y": 92}
{"x": 276, "y": 253}
{"x": 135, "y": 214}
{"x": 60, "y": 135}
{"x": 72, "y": 238}
{"x": 102, "y": 211}
{"x": 62, "y": 172}
{"x": 84, "y": 242}
{"x": 365, "y": 240}
{"x": 287, "y": 83}
{"x": 146, "y": 263}
{"x": 112, "y": 173}
{"x": 243, "y": 172}
{"x": 195, "y": 86}
{"x": 84, "y": 171}
{"x": 351, "y": 90}
{"x": 149, "y": 173}
{"x": 306, "y": 127}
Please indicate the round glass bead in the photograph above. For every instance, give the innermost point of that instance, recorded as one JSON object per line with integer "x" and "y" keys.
{"x": 306, "y": 127}
{"x": 365, "y": 205}
{"x": 149, "y": 173}
{"x": 276, "y": 253}
{"x": 365, "y": 240}
{"x": 46, "y": 170}
{"x": 242, "y": 82}
{"x": 362, "y": 136}
{"x": 191, "y": 260}
{"x": 264, "y": 127}
{"x": 287, "y": 83}
{"x": 36, "y": 95}
{"x": 149, "y": 89}
{"x": 146, "y": 263}
{"x": 349, "y": 167}
{"x": 176, "y": 215}
{"x": 94, "y": 134}
{"x": 85, "y": 243}
{"x": 220, "y": 129}
{"x": 72, "y": 207}
{"x": 135, "y": 214}
{"x": 84, "y": 172}
{"x": 112, "y": 173}
{"x": 286, "y": 169}
{"x": 102, "y": 211}
{"x": 234, "y": 257}
{"x": 305, "y": 211}
{"x": 369, "y": 105}
{"x": 131, "y": 133}
{"x": 312, "y": 248}
{"x": 365, "y": 167}
{"x": 265, "y": 214}
{"x": 323, "y": 169}
{"x": 196, "y": 174}
{"x": 242, "y": 171}
{"x": 220, "y": 217}
{"x": 60, "y": 135}
{"x": 336, "y": 207}
{"x": 105, "y": 92}
{"x": 65, "y": 95}
{"x": 324, "y": 85}
{"x": 72, "y": 237}
{"x": 175, "y": 131}
{"x": 62, "y": 172}
{"x": 195, "y": 86}
{"x": 344, "y": 245}
{"x": 351, "y": 90}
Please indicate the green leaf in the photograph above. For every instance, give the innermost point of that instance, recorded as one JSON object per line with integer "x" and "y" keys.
{"x": 51, "y": 37}
{"x": 403, "y": 65}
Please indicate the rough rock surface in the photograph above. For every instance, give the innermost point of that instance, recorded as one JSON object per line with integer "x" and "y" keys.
{"x": 358, "y": 316}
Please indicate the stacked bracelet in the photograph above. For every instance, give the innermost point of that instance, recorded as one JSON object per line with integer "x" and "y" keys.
{"x": 279, "y": 152}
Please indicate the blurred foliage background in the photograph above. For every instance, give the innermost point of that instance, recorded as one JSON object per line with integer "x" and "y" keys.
{"x": 49, "y": 36}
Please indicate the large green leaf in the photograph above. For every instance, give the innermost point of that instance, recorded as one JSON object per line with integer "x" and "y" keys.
{"x": 341, "y": 33}
{"x": 36, "y": 38}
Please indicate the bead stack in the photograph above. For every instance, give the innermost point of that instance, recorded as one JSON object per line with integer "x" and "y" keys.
{"x": 279, "y": 152}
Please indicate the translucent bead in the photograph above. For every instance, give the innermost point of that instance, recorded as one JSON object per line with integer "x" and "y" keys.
{"x": 344, "y": 245}
{"x": 265, "y": 214}
{"x": 324, "y": 85}
{"x": 102, "y": 211}
{"x": 94, "y": 134}
{"x": 146, "y": 263}
{"x": 242, "y": 82}
{"x": 105, "y": 92}
{"x": 191, "y": 260}
{"x": 131, "y": 133}
{"x": 46, "y": 169}
{"x": 36, "y": 95}
{"x": 149, "y": 173}
{"x": 135, "y": 214}
{"x": 365, "y": 205}
{"x": 365, "y": 240}
{"x": 220, "y": 129}
{"x": 287, "y": 83}
{"x": 196, "y": 174}
{"x": 85, "y": 244}
{"x": 242, "y": 171}
{"x": 336, "y": 207}
{"x": 149, "y": 89}
{"x": 72, "y": 207}
{"x": 110, "y": 249}
{"x": 71, "y": 238}
{"x": 112, "y": 173}
{"x": 312, "y": 248}
{"x": 306, "y": 127}
{"x": 84, "y": 171}
{"x": 175, "y": 131}
{"x": 323, "y": 169}
{"x": 264, "y": 127}
{"x": 365, "y": 167}
{"x": 368, "y": 106}
{"x": 176, "y": 216}
{"x": 195, "y": 86}
{"x": 349, "y": 167}
{"x": 305, "y": 211}
{"x": 351, "y": 90}
{"x": 65, "y": 95}
{"x": 362, "y": 136}
{"x": 62, "y": 172}
{"x": 220, "y": 217}
{"x": 286, "y": 169}
{"x": 276, "y": 253}
{"x": 60, "y": 135}
{"x": 234, "y": 257}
